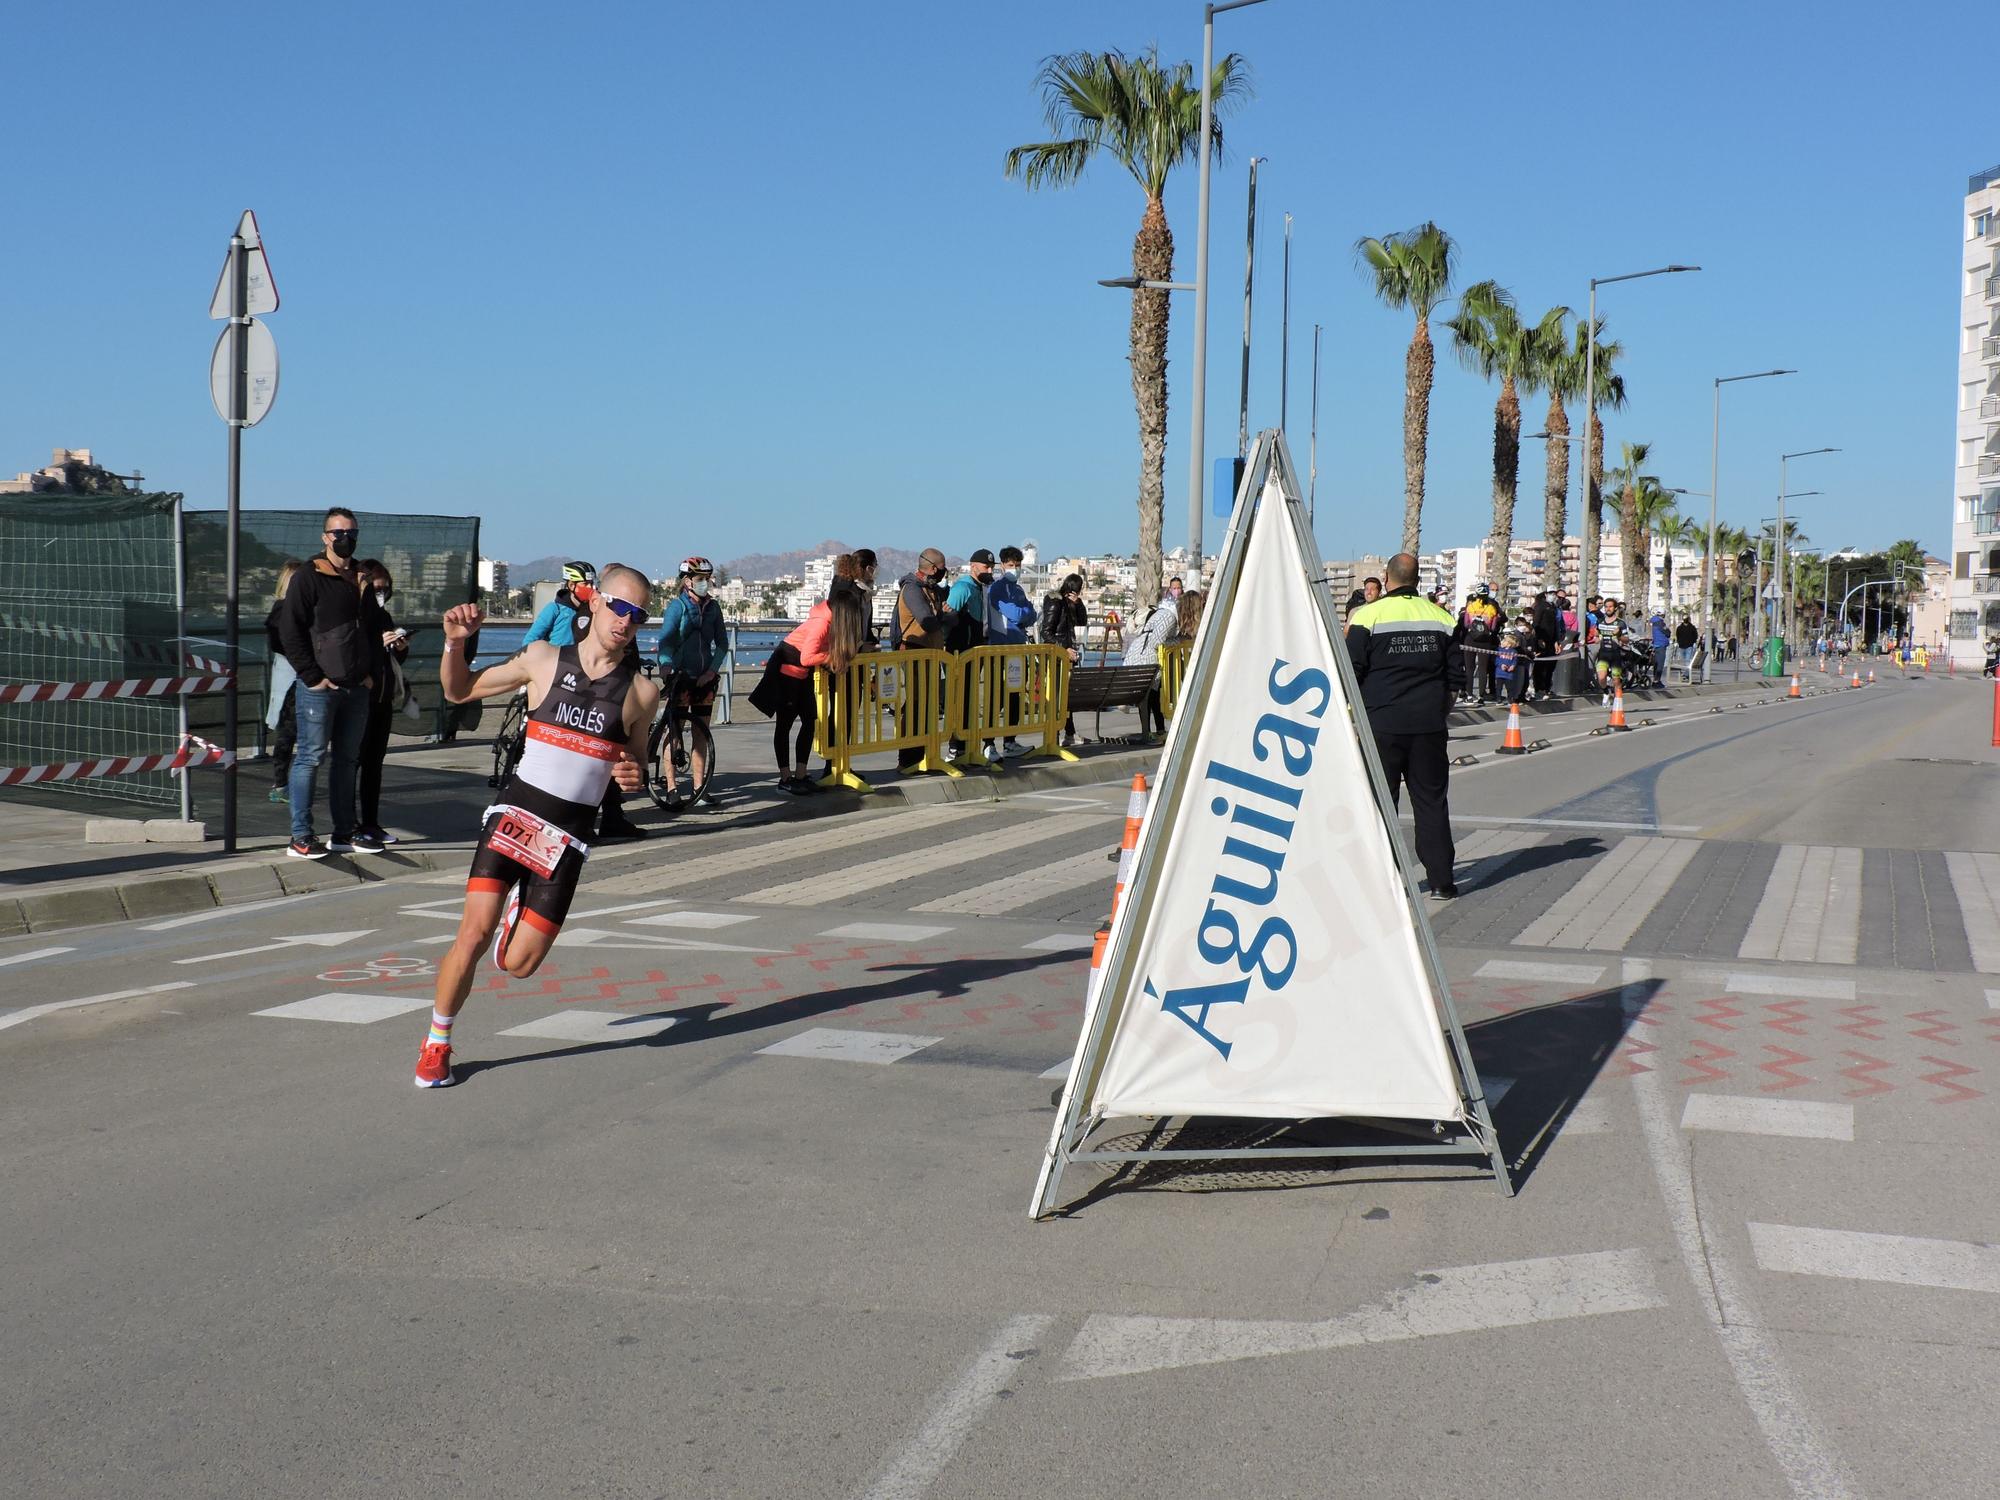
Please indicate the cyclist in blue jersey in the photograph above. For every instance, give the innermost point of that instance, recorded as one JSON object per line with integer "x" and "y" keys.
{"x": 693, "y": 642}
{"x": 556, "y": 620}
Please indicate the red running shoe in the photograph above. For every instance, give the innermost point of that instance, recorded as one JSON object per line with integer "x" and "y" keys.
{"x": 434, "y": 1066}
{"x": 510, "y": 918}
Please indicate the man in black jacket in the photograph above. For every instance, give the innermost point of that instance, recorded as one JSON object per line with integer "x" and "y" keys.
{"x": 320, "y": 626}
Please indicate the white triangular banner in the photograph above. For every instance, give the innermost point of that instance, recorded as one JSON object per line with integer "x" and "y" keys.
{"x": 1266, "y": 962}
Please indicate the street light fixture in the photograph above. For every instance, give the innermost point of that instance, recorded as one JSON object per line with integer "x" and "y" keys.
{"x": 1198, "y": 407}
{"x": 1586, "y": 565}
{"x": 1784, "y": 620}
{"x": 1714, "y": 485}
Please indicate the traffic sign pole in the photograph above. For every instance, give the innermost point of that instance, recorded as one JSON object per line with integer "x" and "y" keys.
{"x": 239, "y": 344}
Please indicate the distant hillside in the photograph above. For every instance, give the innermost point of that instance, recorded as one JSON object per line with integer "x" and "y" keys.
{"x": 894, "y": 561}
{"x": 528, "y": 574}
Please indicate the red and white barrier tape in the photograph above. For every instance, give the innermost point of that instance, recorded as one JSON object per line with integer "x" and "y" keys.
{"x": 91, "y": 692}
{"x": 161, "y": 651}
{"x": 194, "y": 753}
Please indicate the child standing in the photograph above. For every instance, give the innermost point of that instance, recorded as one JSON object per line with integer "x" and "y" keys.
{"x": 1510, "y": 668}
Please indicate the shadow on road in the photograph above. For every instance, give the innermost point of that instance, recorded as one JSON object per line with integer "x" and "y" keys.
{"x": 709, "y": 1019}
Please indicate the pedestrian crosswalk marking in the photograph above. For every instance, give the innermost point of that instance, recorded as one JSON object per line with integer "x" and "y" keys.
{"x": 719, "y": 863}
{"x": 884, "y": 932}
{"x": 1508, "y": 968}
{"x": 353, "y": 1010}
{"x": 849, "y": 1046}
{"x": 1802, "y": 1118}
{"x": 893, "y": 869}
{"x": 593, "y": 1026}
{"x": 1064, "y": 942}
{"x": 1012, "y": 892}
{"x": 1962, "y": 1265}
{"x": 1975, "y": 878}
{"x": 1811, "y": 910}
{"x": 703, "y": 919}
{"x": 1602, "y": 912}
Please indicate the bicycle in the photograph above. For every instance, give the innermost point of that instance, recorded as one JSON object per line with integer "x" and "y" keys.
{"x": 511, "y": 741}
{"x": 677, "y": 734}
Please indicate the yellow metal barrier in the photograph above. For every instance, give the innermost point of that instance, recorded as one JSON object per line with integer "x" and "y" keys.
{"x": 1173, "y": 667}
{"x": 1006, "y": 692}
{"x": 887, "y": 700}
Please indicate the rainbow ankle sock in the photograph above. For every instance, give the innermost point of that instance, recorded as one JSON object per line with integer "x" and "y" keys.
{"x": 440, "y": 1029}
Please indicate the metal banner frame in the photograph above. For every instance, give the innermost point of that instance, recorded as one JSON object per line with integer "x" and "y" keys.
{"x": 1475, "y": 1138}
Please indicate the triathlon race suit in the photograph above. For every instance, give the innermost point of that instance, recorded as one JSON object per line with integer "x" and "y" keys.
{"x": 540, "y": 835}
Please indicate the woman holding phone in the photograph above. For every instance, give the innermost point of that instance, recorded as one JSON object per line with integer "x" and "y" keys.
{"x": 390, "y": 646}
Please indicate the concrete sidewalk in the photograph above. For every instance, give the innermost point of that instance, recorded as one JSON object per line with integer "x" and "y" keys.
{"x": 433, "y": 798}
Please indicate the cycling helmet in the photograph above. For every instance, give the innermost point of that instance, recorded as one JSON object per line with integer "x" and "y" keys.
{"x": 579, "y": 572}
{"x": 696, "y": 565}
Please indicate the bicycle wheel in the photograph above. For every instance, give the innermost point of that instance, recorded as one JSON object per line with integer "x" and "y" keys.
{"x": 658, "y": 786}
{"x": 508, "y": 745}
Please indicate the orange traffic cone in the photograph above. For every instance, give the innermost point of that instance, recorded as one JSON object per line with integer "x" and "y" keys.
{"x": 1795, "y": 693}
{"x": 1135, "y": 813}
{"x": 1857, "y": 680}
{"x": 1618, "y": 709}
{"x": 1510, "y": 743}
{"x": 1871, "y": 674}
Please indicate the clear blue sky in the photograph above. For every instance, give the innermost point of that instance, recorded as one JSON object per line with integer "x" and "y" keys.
{"x": 645, "y": 280}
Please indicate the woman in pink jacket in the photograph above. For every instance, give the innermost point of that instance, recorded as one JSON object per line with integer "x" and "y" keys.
{"x": 830, "y": 637}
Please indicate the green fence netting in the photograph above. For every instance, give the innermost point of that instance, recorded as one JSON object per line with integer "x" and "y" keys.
{"x": 87, "y": 595}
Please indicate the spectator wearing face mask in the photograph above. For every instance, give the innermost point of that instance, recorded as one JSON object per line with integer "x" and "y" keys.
{"x": 390, "y": 646}
{"x": 321, "y": 630}
{"x": 1009, "y": 618}
{"x": 965, "y": 614}
{"x": 919, "y": 624}
{"x": 1065, "y": 622}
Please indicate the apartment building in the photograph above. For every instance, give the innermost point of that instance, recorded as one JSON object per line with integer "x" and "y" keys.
{"x": 1975, "y": 530}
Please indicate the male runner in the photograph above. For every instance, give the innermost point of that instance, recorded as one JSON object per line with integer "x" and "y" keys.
{"x": 588, "y": 715}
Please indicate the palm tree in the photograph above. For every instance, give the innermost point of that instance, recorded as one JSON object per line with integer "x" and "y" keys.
{"x": 1731, "y": 542}
{"x": 1610, "y": 392}
{"x": 1490, "y": 338}
{"x": 1412, "y": 270}
{"x": 1561, "y": 370}
{"x": 1670, "y": 527}
{"x": 1631, "y": 533}
{"x": 1652, "y": 505}
{"x": 1147, "y": 118}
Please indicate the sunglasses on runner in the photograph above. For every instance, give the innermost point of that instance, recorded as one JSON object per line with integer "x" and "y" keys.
{"x": 625, "y": 610}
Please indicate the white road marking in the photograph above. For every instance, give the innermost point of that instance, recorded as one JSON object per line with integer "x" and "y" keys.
{"x": 437, "y": 941}
{"x": 1604, "y": 911}
{"x": 1786, "y": 984}
{"x": 612, "y": 911}
{"x": 1460, "y": 1299}
{"x": 1802, "y": 1118}
{"x": 230, "y": 911}
{"x": 1975, "y": 879}
{"x": 1959, "y": 1265}
{"x": 593, "y": 1026}
{"x": 1993, "y": 999}
{"x": 352, "y": 1010}
{"x": 849, "y": 1046}
{"x": 895, "y": 869}
{"x": 1060, "y": 1070}
{"x": 1064, "y": 942}
{"x": 715, "y": 864}
{"x": 604, "y": 937}
{"x": 958, "y": 1411}
{"x": 1575, "y": 823}
{"x": 30, "y": 1012}
{"x": 300, "y": 940}
{"x": 427, "y": 908}
{"x": 1811, "y": 909}
{"x": 884, "y": 932}
{"x": 1012, "y": 892}
{"x": 1065, "y": 801}
{"x": 1507, "y": 968}
{"x": 1813, "y": 1468}
{"x": 28, "y": 958}
{"x": 708, "y": 919}
{"x": 452, "y": 914}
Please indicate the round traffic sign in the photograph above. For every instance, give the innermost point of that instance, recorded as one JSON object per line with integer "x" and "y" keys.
{"x": 260, "y": 386}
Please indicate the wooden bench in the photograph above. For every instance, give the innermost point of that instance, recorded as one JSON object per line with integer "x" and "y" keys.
{"x": 1094, "y": 689}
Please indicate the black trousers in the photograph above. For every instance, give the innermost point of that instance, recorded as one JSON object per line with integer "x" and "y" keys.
{"x": 374, "y": 748}
{"x": 1421, "y": 760}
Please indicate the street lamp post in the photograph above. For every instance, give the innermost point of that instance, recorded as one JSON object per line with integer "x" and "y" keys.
{"x": 1714, "y": 485}
{"x": 1285, "y": 337}
{"x": 1784, "y": 613}
{"x": 1198, "y": 406}
{"x": 1312, "y": 481}
{"x": 1249, "y": 295}
{"x": 1587, "y": 563}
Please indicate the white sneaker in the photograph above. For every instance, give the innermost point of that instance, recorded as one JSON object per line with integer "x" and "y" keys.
{"x": 991, "y": 755}
{"x": 950, "y": 753}
{"x": 1014, "y": 750}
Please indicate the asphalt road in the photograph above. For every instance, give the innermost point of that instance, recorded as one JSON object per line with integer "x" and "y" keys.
{"x": 731, "y": 1198}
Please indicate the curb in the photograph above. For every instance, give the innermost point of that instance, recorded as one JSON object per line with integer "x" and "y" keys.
{"x": 249, "y": 880}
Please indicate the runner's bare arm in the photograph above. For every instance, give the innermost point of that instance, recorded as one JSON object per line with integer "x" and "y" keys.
{"x": 463, "y": 685}
{"x": 642, "y": 700}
